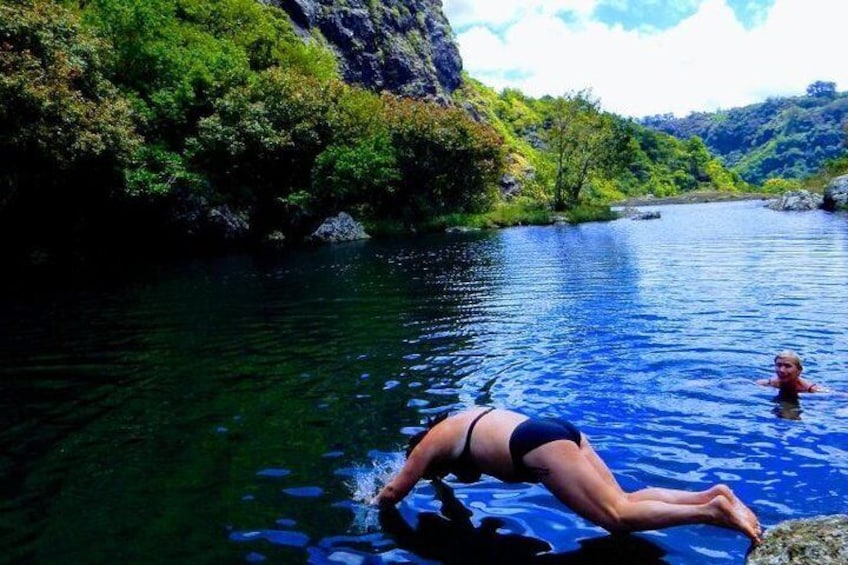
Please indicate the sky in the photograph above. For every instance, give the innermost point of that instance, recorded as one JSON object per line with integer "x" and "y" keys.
{"x": 651, "y": 57}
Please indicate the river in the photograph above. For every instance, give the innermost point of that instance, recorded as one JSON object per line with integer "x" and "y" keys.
{"x": 227, "y": 410}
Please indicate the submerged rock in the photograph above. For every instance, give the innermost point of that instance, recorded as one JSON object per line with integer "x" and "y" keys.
{"x": 822, "y": 540}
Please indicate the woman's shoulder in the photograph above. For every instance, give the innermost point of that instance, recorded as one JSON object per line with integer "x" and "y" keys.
{"x": 806, "y": 386}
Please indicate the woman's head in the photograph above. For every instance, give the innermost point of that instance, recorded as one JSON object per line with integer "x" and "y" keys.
{"x": 787, "y": 367}
{"x": 789, "y": 357}
{"x": 416, "y": 439}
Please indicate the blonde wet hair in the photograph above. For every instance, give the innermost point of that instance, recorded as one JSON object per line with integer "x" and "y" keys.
{"x": 792, "y": 356}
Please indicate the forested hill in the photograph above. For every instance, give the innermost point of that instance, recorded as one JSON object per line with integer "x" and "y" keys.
{"x": 779, "y": 138}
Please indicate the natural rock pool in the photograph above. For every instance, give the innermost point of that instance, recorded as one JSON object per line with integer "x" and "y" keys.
{"x": 227, "y": 410}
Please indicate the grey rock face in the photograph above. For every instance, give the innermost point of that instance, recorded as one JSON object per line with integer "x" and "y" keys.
{"x": 196, "y": 218}
{"x": 229, "y": 224}
{"x": 403, "y": 46}
{"x": 815, "y": 541}
{"x": 836, "y": 194}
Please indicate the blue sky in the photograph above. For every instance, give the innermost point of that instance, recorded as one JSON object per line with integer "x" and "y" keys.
{"x": 653, "y": 56}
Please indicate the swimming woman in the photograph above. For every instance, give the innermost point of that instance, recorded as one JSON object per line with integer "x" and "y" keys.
{"x": 514, "y": 448}
{"x": 787, "y": 370}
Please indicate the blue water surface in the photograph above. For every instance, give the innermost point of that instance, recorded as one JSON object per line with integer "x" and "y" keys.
{"x": 650, "y": 335}
{"x": 222, "y": 410}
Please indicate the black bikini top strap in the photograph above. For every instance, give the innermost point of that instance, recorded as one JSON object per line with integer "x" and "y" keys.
{"x": 466, "y": 451}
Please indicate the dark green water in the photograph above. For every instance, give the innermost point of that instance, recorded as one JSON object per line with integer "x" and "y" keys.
{"x": 136, "y": 416}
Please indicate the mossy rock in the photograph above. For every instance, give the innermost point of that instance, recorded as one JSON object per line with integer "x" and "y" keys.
{"x": 822, "y": 540}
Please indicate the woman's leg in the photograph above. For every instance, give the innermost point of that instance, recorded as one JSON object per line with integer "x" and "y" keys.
{"x": 673, "y": 496}
{"x": 580, "y": 479}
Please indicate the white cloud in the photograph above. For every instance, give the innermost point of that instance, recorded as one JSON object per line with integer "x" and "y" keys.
{"x": 707, "y": 61}
{"x": 496, "y": 13}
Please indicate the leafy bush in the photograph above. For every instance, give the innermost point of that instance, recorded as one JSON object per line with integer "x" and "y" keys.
{"x": 65, "y": 131}
{"x": 361, "y": 176}
{"x": 156, "y": 171}
{"x": 779, "y": 185}
{"x": 447, "y": 161}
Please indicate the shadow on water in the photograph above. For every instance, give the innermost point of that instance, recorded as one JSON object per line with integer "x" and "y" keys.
{"x": 452, "y": 538}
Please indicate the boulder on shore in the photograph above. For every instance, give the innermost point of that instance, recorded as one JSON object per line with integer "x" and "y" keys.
{"x": 836, "y": 194}
{"x": 339, "y": 228}
{"x": 822, "y": 540}
{"x": 796, "y": 201}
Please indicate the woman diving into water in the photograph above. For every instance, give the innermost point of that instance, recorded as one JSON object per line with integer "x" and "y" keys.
{"x": 515, "y": 448}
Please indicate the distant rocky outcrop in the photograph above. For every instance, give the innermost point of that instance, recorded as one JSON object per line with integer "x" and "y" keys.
{"x": 815, "y": 541}
{"x": 796, "y": 201}
{"x": 339, "y": 228}
{"x": 836, "y": 194}
{"x": 636, "y": 214}
{"x": 403, "y": 46}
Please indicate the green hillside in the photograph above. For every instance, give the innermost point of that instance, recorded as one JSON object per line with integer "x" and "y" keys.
{"x": 787, "y": 138}
{"x": 634, "y": 161}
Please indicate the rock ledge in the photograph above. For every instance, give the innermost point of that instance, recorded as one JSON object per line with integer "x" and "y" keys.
{"x": 822, "y": 540}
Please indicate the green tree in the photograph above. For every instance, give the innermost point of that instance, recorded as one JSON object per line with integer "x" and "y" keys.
{"x": 65, "y": 131}
{"x": 263, "y": 137}
{"x": 580, "y": 140}
{"x": 699, "y": 159}
{"x": 822, "y": 88}
{"x": 57, "y": 109}
{"x": 170, "y": 68}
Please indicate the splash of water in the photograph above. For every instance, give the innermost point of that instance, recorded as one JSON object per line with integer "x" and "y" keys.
{"x": 366, "y": 481}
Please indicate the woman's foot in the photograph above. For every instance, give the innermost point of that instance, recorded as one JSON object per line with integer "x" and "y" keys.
{"x": 733, "y": 514}
{"x": 741, "y": 509}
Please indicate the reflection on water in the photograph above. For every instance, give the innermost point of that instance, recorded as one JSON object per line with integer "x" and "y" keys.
{"x": 787, "y": 409}
{"x": 216, "y": 411}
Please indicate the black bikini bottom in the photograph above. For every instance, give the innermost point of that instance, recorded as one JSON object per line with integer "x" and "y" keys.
{"x": 532, "y": 433}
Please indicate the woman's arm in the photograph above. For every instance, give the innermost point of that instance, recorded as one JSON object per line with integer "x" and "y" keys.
{"x": 399, "y": 486}
{"x": 425, "y": 453}
{"x": 766, "y": 382}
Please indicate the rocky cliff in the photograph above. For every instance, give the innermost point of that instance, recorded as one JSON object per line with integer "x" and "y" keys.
{"x": 403, "y": 46}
